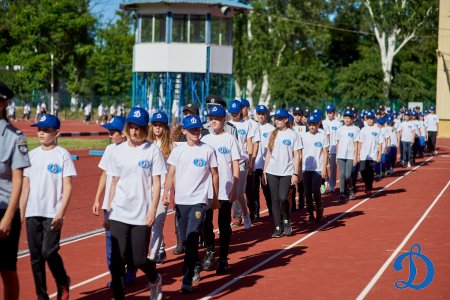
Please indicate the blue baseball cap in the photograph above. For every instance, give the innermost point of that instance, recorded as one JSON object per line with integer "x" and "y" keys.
{"x": 291, "y": 118}
{"x": 313, "y": 119}
{"x": 348, "y": 113}
{"x": 191, "y": 122}
{"x": 245, "y": 102}
{"x": 407, "y": 113}
{"x": 235, "y": 107}
{"x": 160, "y": 117}
{"x": 217, "y": 111}
{"x": 138, "y": 116}
{"x": 318, "y": 113}
{"x": 281, "y": 113}
{"x": 381, "y": 121}
{"x": 432, "y": 108}
{"x": 331, "y": 108}
{"x": 48, "y": 121}
{"x": 370, "y": 115}
{"x": 390, "y": 120}
{"x": 261, "y": 109}
{"x": 117, "y": 123}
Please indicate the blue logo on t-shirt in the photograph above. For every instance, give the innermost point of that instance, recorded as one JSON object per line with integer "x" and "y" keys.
{"x": 145, "y": 164}
{"x": 265, "y": 134}
{"x": 287, "y": 142}
{"x": 223, "y": 150}
{"x": 199, "y": 162}
{"x": 242, "y": 132}
{"x": 350, "y": 134}
{"x": 409, "y": 126}
{"x": 54, "y": 168}
{"x": 318, "y": 144}
{"x": 374, "y": 133}
{"x": 333, "y": 128}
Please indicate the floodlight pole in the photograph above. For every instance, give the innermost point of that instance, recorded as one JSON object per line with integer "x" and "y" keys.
{"x": 52, "y": 100}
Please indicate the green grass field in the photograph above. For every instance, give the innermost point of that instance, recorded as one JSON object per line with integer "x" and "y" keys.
{"x": 72, "y": 143}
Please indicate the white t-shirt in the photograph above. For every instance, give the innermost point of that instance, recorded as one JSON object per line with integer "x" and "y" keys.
{"x": 347, "y": 136}
{"x": 46, "y": 173}
{"x": 431, "y": 122}
{"x": 255, "y": 130}
{"x": 135, "y": 167}
{"x": 312, "y": 156}
{"x": 331, "y": 128}
{"x": 392, "y": 132}
{"x": 103, "y": 164}
{"x": 227, "y": 151}
{"x": 421, "y": 127}
{"x": 406, "y": 128}
{"x": 244, "y": 132}
{"x": 416, "y": 124}
{"x": 281, "y": 161}
{"x": 371, "y": 138}
{"x": 192, "y": 171}
{"x": 265, "y": 131}
{"x": 299, "y": 128}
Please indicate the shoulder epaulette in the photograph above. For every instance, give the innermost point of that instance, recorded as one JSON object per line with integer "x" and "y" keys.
{"x": 13, "y": 129}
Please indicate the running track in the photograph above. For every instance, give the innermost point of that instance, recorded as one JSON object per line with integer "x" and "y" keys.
{"x": 346, "y": 258}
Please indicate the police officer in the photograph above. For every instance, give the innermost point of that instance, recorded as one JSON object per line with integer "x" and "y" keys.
{"x": 216, "y": 100}
{"x": 13, "y": 159}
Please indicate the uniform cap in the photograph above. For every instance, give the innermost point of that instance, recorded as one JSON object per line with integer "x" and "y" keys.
{"x": 281, "y": 113}
{"x": 217, "y": 111}
{"x": 261, "y": 109}
{"x": 138, "y": 116}
{"x": 117, "y": 123}
{"x": 370, "y": 115}
{"x": 48, "y": 121}
{"x": 235, "y": 107}
{"x": 192, "y": 108}
{"x": 160, "y": 117}
{"x": 245, "y": 102}
{"x": 348, "y": 113}
{"x": 331, "y": 108}
{"x": 215, "y": 100}
{"x": 297, "y": 111}
{"x": 191, "y": 122}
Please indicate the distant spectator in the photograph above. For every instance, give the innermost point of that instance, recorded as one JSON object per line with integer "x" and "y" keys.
{"x": 99, "y": 113}
{"x": 112, "y": 111}
{"x": 12, "y": 111}
{"x": 26, "y": 111}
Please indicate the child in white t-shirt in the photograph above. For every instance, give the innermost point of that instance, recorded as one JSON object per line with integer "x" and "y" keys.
{"x": 314, "y": 166}
{"x": 191, "y": 165}
{"x": 392, "y": 149}
{"x": 228, "y": 156}
{"x": 46, "y": 192}
{"x": 136, "y": 167}
{"x": 281, "y": 170}
{"x": 406, "y": 135}
{"x": 331, "y": 125}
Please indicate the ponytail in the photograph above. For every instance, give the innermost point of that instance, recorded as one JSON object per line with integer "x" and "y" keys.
{"x": 273, "y": 136}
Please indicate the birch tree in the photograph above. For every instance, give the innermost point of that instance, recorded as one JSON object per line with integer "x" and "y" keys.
{"x": 395, "y": 23}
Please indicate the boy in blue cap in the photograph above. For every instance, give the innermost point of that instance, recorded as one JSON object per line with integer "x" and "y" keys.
{"x": 331, "y": 125}
{"x": 191, "y": 192}
{"x": 46, "y": 192}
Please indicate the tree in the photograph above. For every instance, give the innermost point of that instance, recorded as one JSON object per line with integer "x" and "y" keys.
{"x": 395, "y": 23}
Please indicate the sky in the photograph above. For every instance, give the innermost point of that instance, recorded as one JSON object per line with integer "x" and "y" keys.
{"x": 106, "y": 8}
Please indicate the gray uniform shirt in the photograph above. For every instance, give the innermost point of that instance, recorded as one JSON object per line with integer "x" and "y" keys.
{"x": 13, "y": 156}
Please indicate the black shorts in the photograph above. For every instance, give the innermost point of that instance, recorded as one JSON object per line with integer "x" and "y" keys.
{"x": 10, "y": 245}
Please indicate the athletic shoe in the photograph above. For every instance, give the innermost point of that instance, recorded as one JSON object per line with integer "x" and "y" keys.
{"x": 323, "y": 188}
{"x": 64, "y": 290}
{"x": 277, "y": 233}
{"x": 160, "y": 257}
{"x": 186, "y": 288}
{"x": 351, "y": 194}
{"x": 342, "y": 198}
{"x": 222, "y": 267}
{"x": 331, "y": 188}
{"x": 208, "y": 261}
{"x": 311, "y": 220}
{"x": 409, "y": 165}
{"x": 319, "y": 215}
{"x": 247, "y": 222}
{"x": 156, "y": 289}
{"x": 197, "y": 270}
{"x": 287, "y": 228}
{"x": 368, "y": 191}
{"x": 179, "y": 249}
{"x": 236, "y": 222}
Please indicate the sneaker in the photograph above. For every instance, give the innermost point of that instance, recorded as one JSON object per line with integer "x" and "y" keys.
{"x": 351, "y": 194}
{"x": 222, "y": 267}
{"x": 331, "y": 189}
{"x": 368, "y": 191}
{"x": 319, "y": 215}
{"x": 156, "y": 289}
{"x": 311, "y": 220}
{"x": 186, "y": 288}
{"x": 197, "y": 270}
{"x": 342, "y": 198}
{"x": 287, "y": 228}
{"x": 208, "y": 261}
{"x": 323, "y": 188}
{"x": 160, "y": 257}
{"x": 277, "y": 233}
{"x": 179, "y": 249}
{"x": 247, "y": 222}
{"x": 63, "y": 291}
{"x": 130, "y": 277}
{"x": 236, "y": 222}
{"x": 409, "y": 165}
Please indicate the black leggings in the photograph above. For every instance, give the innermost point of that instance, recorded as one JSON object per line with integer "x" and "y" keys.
{"x": 279, "y": 189}
{"x": 224, "y": 221}
{"x": 432, "y": 141}
{"x": 312, "y": 181}
{"x": 121, "y": 235}
{"x": 367, "y": 172}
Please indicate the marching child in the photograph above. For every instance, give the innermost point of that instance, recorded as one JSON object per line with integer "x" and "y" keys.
{"x": 115, "y": 129}
{"x": 191, "y": 165}
{"x": 281, "y": 170}
{"x": 314, "y": 166}
{"x": 331, "y": 125}
{"x": 392, "y": 150}
{"x": 406, "y": 134}
{"x": 136, "y": 167}
{"x": 228, "y": 156}
{"x": 347, "y": 154}
{"x": 47, "y": 188}
{"x": 369, "y": 149}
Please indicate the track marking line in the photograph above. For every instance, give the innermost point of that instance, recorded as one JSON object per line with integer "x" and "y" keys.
{"x": 279, "y": 253}
{"x": 380, "y": 272}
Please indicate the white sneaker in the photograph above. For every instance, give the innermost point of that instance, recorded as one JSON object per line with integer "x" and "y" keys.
{"x": 409, "y": 165}
{"x": 156, "y": 289}
{"x": 247, "y": 222}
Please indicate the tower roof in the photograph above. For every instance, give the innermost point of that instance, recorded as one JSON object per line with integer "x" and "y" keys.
{"x": 237, "y": 4}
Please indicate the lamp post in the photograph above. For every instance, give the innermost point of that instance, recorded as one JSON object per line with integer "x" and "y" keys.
{"x": 52, "y": 88}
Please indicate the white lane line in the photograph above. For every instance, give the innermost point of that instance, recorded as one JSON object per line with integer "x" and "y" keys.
{"x": 275, "y": 255}
{"x": 388, "y": 262}
{"x": 107, "y": 273}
